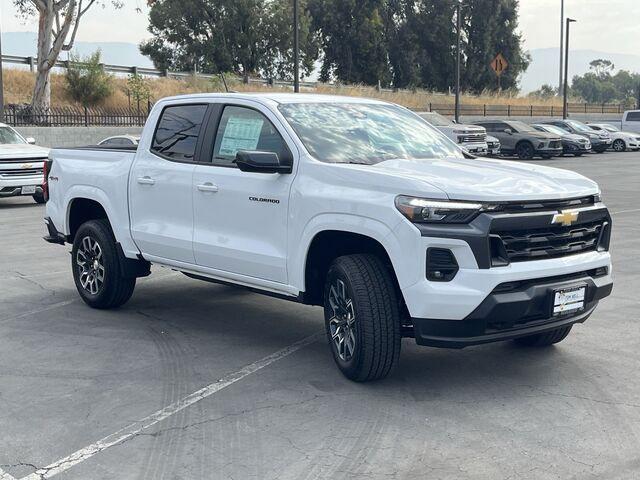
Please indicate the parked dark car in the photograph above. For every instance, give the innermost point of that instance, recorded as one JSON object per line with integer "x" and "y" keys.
{"x": 600, "y": 141}
{"x": 572, "y": 144}
{"x": 522, "y": 140}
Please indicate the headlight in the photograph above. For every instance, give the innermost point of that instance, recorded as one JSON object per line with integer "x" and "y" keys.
{"x": 423, "y": 210}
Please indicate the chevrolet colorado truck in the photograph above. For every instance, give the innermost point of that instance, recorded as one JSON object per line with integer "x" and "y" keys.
{"x": 21, "y": 165}
{"x": 470, "y": 137}
{"x": 355, "y": 205}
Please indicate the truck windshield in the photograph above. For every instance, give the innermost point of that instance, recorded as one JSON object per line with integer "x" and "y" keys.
{"x": 365, "y": 133}
{"x": 8, "y": 135}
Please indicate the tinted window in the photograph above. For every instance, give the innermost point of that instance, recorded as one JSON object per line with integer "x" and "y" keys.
{"x": 246, "y": 129}
{"x": 493, "y": 126}
{"x": 633, "y": 117}
{"x": 177, "y": 132}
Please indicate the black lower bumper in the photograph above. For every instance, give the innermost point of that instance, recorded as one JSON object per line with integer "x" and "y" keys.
{"x": 17, "y": 191}
{"x": 513, "y": 310}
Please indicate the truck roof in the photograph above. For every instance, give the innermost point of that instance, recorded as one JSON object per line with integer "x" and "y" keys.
{"x": 280, "y": 98}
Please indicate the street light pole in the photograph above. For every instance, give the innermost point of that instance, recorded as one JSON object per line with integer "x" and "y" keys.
{"x": 296, "y": 49}
{"x": 561, "y": 40}
{"x": 458, "y": 25}
{"x": 565, "y": 105}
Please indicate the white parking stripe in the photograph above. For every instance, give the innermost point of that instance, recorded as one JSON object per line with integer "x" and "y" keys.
{"x": 135, "y": 428}
{"x": 38, "y": 310}
{"x": 5, "y": 476}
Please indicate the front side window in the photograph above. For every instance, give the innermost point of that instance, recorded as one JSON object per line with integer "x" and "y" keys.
{"x": 243, "y": 128}
{"x": 365, "y": 133}
{"x": 8, "y": 136}
{"x": 177, "y": 133}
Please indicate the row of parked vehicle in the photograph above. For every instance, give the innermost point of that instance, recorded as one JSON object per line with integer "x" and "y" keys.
{"x": 544, "y": 139}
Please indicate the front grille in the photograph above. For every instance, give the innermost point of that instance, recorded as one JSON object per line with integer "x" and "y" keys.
{"x": 551, "y": 242}
{"x": 472, "y": 137}
{"x": 20, "y": 172}
{"x": 23, "y": 160}
{"x": 555, "y": 144}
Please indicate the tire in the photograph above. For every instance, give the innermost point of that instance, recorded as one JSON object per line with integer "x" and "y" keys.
{"x": 525, "y": 151}
{"x": 544, "y": 339}
{"x": 619, "y": 145}
{"x": 94, "y": 251}
{"x": 546, "y": 157}
{"x": 577, "y": 154}
{"x": 361, "y": 304}
{"x": 39, "y": 198}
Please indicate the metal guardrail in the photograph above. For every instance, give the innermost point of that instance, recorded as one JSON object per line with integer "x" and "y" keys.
{"x": 485, "y": 110}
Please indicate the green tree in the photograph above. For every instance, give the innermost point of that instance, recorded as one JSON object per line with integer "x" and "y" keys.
{"x": 354, "y": 45}
{"x": 241, "y": 36}
{"x": 86, "y": 81}
{"x": 600, "y": 85}
{"x": 138, "y": 88}
{"x": 490, "y": 27}
{"x": 546, "y": 91}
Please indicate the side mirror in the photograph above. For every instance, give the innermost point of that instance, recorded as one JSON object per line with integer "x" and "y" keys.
{"x": 260, "y": 162}
{"x": 31, "y": 140}
{"x": 508, "y": 130}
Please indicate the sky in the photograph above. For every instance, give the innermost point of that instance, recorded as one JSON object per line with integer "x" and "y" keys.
{"x": 605, "y": 25}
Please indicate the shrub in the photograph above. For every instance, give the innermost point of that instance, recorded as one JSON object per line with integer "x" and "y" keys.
{"x": 87, "y": 82}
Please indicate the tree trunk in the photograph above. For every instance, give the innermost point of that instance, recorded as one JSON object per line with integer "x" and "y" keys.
{"x": 42, "y": 91}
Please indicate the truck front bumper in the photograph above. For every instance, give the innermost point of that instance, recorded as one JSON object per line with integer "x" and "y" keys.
{"x": 514, "y": 309}
{"x": 12, "y": 186}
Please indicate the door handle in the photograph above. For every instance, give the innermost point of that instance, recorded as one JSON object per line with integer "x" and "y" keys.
{"x": 208, "y": 187}
{"x": 146, "y": 180}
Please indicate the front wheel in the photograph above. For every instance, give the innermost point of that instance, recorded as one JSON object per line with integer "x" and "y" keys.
{"x": 362, "y": 317}
{"x": 525, "y": 151}
{"x": 96, "y": 267}
{"x": 39, "y": 198}
{"x": 544, "y": 339}
{"x": 577, "y": 154}
{"x": 619, "y": 145}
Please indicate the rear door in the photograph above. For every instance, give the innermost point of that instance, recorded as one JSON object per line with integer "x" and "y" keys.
{"x": 241, "y": 217}
{"x": 161, "y": 185}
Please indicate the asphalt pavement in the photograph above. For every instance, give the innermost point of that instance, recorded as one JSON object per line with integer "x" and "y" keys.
{"x": 192, "y": 380}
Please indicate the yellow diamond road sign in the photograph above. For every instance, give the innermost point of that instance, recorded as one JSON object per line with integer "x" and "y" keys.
{"x": 499, "y": 64}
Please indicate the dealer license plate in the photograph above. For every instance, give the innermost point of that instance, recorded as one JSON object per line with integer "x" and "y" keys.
{"x": 28, "y": 190}
{"x": 569, "y": 300}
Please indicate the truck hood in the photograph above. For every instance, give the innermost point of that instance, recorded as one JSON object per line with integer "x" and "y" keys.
{"x": 10, "y": 151}
{"x": 482, "y": 179}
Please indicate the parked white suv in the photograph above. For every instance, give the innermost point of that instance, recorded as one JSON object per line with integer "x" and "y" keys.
{"x": 470, "y": 137}
{"x": 352, "y": 204}
{"x": 21, "y": 165}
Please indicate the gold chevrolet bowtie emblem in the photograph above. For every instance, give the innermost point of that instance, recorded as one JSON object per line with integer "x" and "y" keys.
{"x": 26, "y": 165}
{"x": 566, "y": 217}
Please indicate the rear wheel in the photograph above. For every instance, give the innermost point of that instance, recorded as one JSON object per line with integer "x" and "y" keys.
{"x": 619, "y": 145}
{"x": 362, "y": 317}
{"x": 544, "y": 339}
{"x": 96, "y": 267}
{"x": 525, "y": 150}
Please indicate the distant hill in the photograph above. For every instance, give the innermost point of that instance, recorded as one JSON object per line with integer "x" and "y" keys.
{"x": 23, "y": 44}
{"x": 545, "y": 63}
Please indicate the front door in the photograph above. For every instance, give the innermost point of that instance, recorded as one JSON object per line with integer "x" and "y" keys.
{"x": 241, "y": 217}
{"x": 161, "y": 186}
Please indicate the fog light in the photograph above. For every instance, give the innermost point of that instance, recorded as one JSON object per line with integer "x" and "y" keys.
{"x": 441, "y": 265}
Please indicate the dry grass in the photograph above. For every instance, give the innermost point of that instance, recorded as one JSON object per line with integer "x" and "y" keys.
{"x": 19, "y": 86}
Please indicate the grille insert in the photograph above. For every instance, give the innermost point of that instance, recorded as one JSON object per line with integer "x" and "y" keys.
{"x": 551, "y": 242}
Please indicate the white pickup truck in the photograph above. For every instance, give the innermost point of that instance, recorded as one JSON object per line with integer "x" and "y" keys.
{"x": 21, "y": 165}
{"x": 355, "y": 205}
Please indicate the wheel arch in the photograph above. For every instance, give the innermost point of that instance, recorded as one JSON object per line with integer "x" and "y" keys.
{"x": 81, "y": 210}
{"x": 329, "y": 244}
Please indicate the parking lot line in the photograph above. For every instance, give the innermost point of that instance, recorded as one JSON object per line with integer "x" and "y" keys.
{"x": 38, "y": 310}
{"x": 626, "y": 211}
{"x": 135, "y": 428}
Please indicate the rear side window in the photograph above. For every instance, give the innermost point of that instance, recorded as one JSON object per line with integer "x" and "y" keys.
{"x": 242, "y": 128}
{"x": 633, "y": 117}
{"x": 177, "y": 133}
